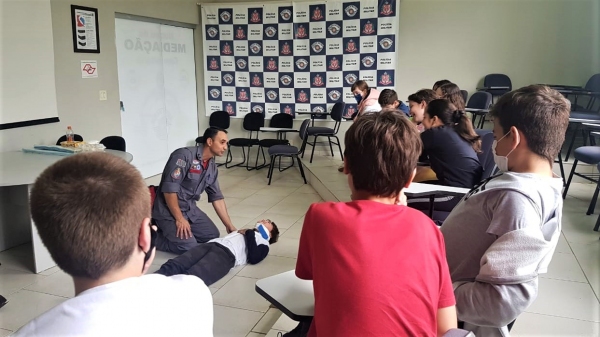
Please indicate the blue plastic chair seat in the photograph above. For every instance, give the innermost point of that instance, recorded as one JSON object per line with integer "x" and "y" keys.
{"x": 282, "y": 150}
{"x": 320, "y": 130}
{"x": 588, "y": 154}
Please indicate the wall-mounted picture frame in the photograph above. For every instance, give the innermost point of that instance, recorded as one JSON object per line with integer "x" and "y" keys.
{"x": 84, "y": 23}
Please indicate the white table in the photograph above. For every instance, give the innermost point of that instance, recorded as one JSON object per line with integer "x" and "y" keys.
{"x": 293, "y": 296}
{"x": 18, "y": 172}
{"x": 416, "y": 190}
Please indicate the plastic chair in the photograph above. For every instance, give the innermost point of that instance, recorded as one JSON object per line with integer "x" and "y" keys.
{"x": 280, "y": 120}
{"x": 76, "y": 138}
{"x": 317, "y": 131}
{"x": 252, "y": 122}
{"x": 278, "y": 151}
{"x": 464, "y": 94}
{"x": 114, "y": 143}
{"x": 588, "y": 155}
{"x": 486, "y": 157}
{"x": 480, "y": 100}
{"x": 496, "y": 84}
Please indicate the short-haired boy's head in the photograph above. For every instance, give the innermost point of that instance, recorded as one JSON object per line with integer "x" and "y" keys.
{"x": 381, "y": 153}
{"x": 274, "y": 234}
{"x": 387, "y": 97}
{"x": 88, "y": 209}
{"x": 540, "y": 113}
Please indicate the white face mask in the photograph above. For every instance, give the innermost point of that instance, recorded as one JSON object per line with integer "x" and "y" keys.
{"x": 501, "y": 161}
{"x": 263, "y": 231}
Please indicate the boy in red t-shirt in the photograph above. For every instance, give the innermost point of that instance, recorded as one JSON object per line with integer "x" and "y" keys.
{"x": 379, "y": 267}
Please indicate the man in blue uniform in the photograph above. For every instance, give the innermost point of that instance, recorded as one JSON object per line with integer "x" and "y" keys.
{"x": 189, "y": 172}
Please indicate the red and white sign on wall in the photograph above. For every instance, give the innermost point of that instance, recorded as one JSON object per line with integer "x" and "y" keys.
{"x": 89, "y": 69}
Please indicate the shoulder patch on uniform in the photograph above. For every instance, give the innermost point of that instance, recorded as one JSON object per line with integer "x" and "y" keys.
{"x": 181, "y": 163}
{"x": 176, "y": 174}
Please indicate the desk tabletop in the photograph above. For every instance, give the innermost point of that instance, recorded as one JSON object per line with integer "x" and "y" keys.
{"x": 20, "y": 168}
{"x": 420, "y": 189}
{"x": 269, "y": 129}
{"x": 583, "y": 120}
{"x": 293, "y": 296}
{"x": 476, "y": 110}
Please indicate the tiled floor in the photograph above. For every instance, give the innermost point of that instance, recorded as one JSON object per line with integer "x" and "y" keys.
{"x": 568, "y": 303}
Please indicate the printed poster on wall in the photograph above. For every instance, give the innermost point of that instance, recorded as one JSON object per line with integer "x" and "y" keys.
{"x": 301, "y": 57}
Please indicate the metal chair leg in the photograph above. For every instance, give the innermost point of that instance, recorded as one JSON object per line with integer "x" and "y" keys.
{"x": 570, "y": 178}
{"x": 312, "y": 154}
{"x": 597, "y": 226}
{"x": 592, "y": 206}
{"x": 330, "y": 145}
{"x": 562, "y": 168}
{"x": 270, "y": 174}
{"x": 300, "y": 167}
{"x": 339, "y": 147}
{"x": 577, "y": 126}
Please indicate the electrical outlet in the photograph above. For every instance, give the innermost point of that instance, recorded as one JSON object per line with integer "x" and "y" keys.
{"x": 103, "y": 95}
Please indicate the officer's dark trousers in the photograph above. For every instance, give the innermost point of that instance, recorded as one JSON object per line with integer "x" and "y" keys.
{"x": 209, "y": 261}
{"x": 203, "y": 230}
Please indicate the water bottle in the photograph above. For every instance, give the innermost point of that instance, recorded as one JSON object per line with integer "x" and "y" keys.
{"x": 70, "y": 134}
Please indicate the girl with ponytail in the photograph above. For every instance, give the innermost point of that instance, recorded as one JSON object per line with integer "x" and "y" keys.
{"x": 451, "y": 146}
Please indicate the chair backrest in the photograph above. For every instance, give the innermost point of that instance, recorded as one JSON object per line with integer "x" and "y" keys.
{"x": 304, "y": 133}
{"x": 486, "y": 157}
{"x": 114, "y": 143}
{"x": 253, "y": 121}
{"x": 282, "y": 120}
{"x": 464, "y": 94}
{"x": 593, "y": 84}
{"x": 337, "y": 111}
{"x": 497, "y": 80}
{"x": 219, "y": 119}
{"x": 76, "y": 138}
{"x": 480, "y": 100}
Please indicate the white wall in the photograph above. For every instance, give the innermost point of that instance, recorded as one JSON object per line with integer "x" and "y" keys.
{"x": 532, "y": 41}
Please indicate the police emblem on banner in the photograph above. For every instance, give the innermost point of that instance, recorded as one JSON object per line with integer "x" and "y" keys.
{"x": 334, "y": 95}
{"x": 317, "y": 47}
{"x": 285, "y": 48}
{"x": 368, "y": 27}
{"x": 300, "y": 31}
{"x": 212, "y": 33}
{"x": 351, "y": 10}
{"x": 318, "y": 80}
{"x": 271, "y": 64}
{"x": 256, "y": 48}
{"x": 214, "y": 63}
{"x": 228, "y": 79}
{"x": 387, "y": 7}
{"x": 214, "y": 93}
{"x": 385, "y": 44}
{"x": 257, "y": 108}
{"x": 367, "y": 62}
{"x": 350, "y": 45}
{"x": 225, "y": 15}
{"x": 256, "y": 80}
{"x": 230, "y": 108}
{"x": 242, "y": 94}
{"x": 286, "y": 80}
{"x": 272, "y": 95}
{"x": 317, "y": 12}
{"x": 226, "y": 48}
{"x": 285, "y": 14}
{"x": 302, "y": 96}
{"x": 255, "y": 15}
{"x": 241, "y": 32}
{"x": 270, "y": 32}
{"x": 334, "y": 30}
{"x": 385, "y": 77}
{"x": 333, "y": 63}
{"x": 241, "y": 64}
{"x": 301, "y": 64}
{"x": 350, "y": 78}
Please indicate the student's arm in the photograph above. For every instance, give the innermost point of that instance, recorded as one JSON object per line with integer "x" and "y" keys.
{"x": 256, "y": 252}
{"x": 507, "y": 282}
{"x": 446, "y": 320}
{"x": 304, "y": 263}
{"x": 215, "y": 196}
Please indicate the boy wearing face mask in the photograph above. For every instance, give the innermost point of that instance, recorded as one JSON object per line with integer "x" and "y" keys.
{"x": 503, "y": 234}
{"x": 212, "y": 260}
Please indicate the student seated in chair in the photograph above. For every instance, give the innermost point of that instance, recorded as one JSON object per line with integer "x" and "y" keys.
{"x": 388, "y": 100}
{"x": 378, "y": 267}
{"x": 212, "y": 260}
{"x": 92, "y": 212}
{"x": 417, "y": 103}
{"x": 504, "y": 232}
{"x": 450, "y": 145}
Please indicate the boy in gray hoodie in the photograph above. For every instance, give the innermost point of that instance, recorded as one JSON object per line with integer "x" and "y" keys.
{"x": 502, "y": 235}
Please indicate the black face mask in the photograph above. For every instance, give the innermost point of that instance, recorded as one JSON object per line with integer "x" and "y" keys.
{"x": 153, "y": 235}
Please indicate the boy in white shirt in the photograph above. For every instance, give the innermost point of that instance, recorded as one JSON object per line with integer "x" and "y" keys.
{"x": 213, "y": 260}
{"x": 92, "y": 212}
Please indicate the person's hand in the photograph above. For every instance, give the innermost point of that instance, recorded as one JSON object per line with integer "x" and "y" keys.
{"x": 230, "y": 229}
{"x": 243, "y": 231}
{"x": 184, "y": 231}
